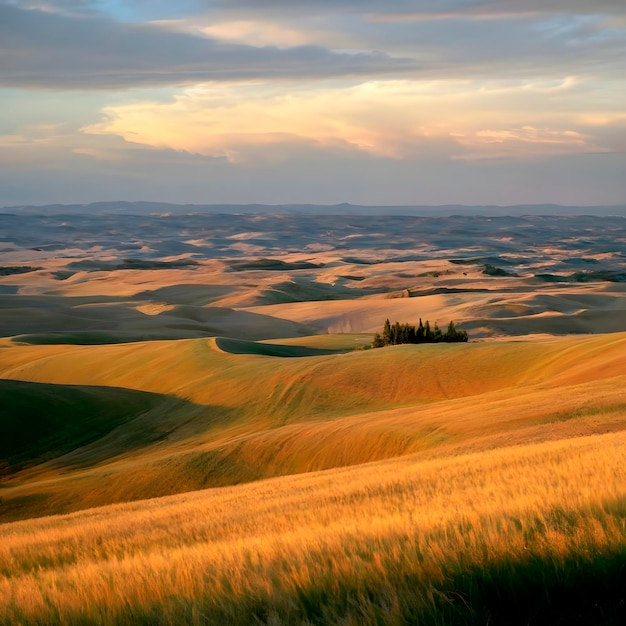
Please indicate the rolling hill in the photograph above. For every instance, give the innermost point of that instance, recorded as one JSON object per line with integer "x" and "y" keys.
{"x": 193, "y": 428}
{"x": 223, "y": 411}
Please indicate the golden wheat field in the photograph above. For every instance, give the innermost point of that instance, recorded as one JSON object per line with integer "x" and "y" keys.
{"x": 218, "y": 443}
{"x": 379, "y": 542}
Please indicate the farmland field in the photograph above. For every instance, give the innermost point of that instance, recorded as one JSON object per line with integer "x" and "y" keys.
{"x": 195, "y": 428}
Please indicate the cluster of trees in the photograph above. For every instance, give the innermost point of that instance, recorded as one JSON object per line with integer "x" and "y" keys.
{"x": 422, "y": 333}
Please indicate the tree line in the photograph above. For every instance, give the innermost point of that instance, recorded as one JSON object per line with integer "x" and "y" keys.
{"x": 422, "y": 333}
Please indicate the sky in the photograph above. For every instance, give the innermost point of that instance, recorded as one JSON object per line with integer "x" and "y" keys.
{"x": 399, "y": 102}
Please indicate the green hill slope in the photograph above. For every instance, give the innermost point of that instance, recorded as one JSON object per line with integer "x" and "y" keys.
{"x": 43, "y": 421}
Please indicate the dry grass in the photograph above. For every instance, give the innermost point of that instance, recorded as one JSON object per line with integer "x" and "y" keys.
{"x": 196, "y": 370}
{"x": 384, "y": 542}
{"x": 257, "y": 416}
{"x": 471, "y": 484}
{"x": 506, "y": 506}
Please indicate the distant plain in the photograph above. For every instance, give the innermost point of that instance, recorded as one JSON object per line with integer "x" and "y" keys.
{"x": 195, "y": 427}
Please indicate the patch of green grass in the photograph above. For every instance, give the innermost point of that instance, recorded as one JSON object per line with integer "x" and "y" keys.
{"x": 584, "y": 277}
{"x": 63, "y": 274}
{"x": 487, "y": 260}
{"x": 492, "y": 270}
{"x": 17, "y": 269}
{"x": 237, "y": 346}
{"x": 130, "y": 264}
{"x": 274, "y": 265}
{"x": 83, "y": 338}
{"x": 42, "y": 421}
{"x": 338, "y": 342}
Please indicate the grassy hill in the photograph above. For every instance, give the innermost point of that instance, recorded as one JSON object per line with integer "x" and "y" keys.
{"x": 173, "y": 416}
{"x": 464, "y": 483}
{"x": 41, "y": 422}
{"x": 527, "y": 534}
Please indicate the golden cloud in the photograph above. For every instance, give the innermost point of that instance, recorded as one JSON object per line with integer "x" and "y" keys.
{"x": 389, "y": 119}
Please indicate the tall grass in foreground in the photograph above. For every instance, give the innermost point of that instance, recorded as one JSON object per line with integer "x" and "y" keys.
{"x": 529, "y": 534}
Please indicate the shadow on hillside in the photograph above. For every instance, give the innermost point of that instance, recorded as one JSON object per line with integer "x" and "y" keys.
{"x": 579, "y": 590}
{"x": 71, "y": 426}
{"x": 576, "y": 590}
{"x": 44, "y": 320}
{"x": 190, "y": 294}
{"x": 238, "y": 346}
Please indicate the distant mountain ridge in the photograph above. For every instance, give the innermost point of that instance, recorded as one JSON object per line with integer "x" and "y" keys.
{"x": 148, "y": 208}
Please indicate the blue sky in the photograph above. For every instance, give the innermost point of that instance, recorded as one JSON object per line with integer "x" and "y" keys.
{"x": 320, "y": 101}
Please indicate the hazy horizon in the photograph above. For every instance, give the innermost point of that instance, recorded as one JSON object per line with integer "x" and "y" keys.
{"x": 147, "y": 208}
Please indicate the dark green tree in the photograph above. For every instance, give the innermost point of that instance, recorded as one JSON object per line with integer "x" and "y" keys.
{"x": 387, "y": 333}
{"x": 419, "y": 333}
{"x": 454, "y": 335}
{"x": 437, "y": 334}
{"x": 422, "y": 333}
{"x": 428, "y": 333}
{"x": 378, "y": 341}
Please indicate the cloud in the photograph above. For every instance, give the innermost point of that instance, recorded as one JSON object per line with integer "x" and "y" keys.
{"x": 396, "y": 120}
{"x": 47, "y": 50}
{"x": 51, "y": 50}
{"x": 525, "y": 141}
{"x": 282, "y": 101}
{"x": 529, "y": 46}
{"x": 54, "y": 6}
{"x": 447, "y": 39}
{"x": 429, "y": 7}
{"x": 357, "y": 6}
{"x": 140, "y": 9}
